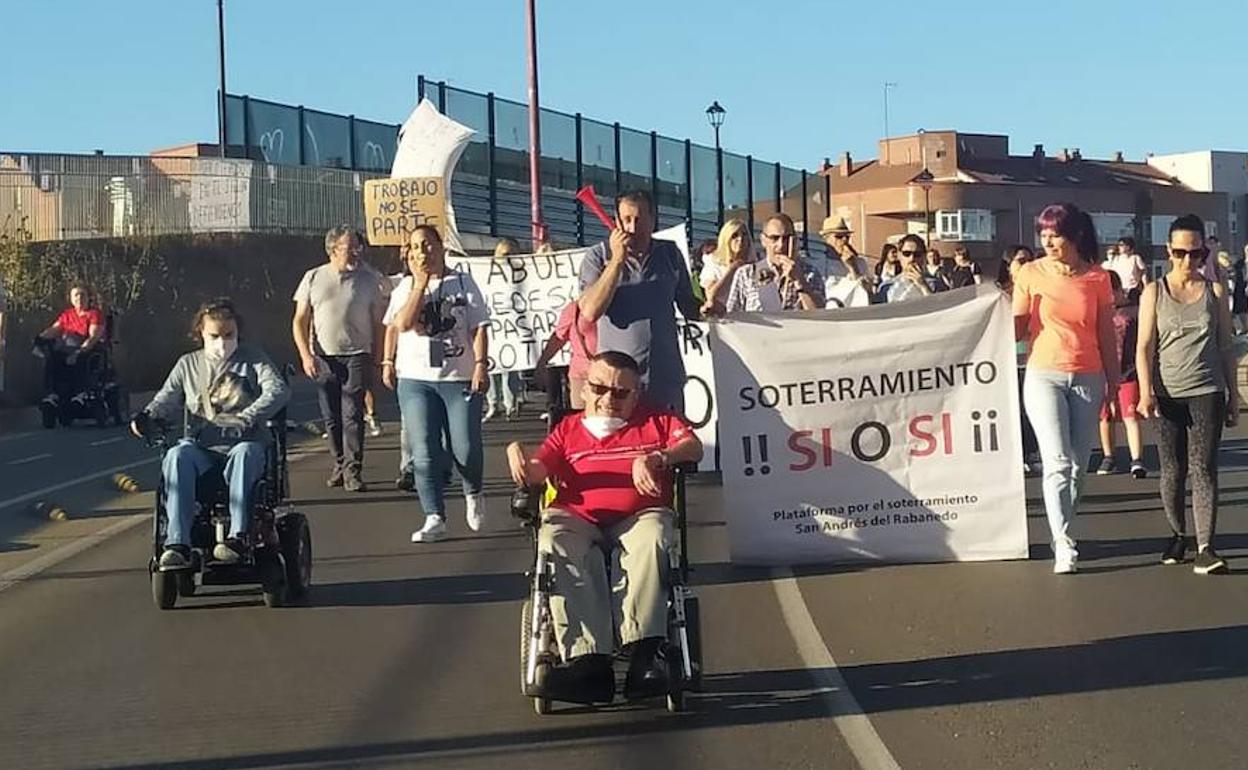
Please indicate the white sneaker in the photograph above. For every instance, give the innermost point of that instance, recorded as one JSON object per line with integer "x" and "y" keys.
{"x": 374, "y": 429}
{"x": 1065, "y": 563}
{"x": 433, "y": 531}
{"x": 489, "y": 413}
{"x": 475, "y": 506}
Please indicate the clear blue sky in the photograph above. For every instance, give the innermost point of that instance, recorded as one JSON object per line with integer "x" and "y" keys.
{"x": 801, "y": 79}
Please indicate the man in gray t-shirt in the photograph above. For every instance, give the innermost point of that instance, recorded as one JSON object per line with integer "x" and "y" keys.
{"x": 337, "y": 329}
{"x": 631, "y": 286}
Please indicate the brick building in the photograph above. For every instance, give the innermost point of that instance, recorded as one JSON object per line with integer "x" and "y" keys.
{"x": 984, "y": 198}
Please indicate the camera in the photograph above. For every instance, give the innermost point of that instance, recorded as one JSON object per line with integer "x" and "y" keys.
{"x": 436, "y": 315}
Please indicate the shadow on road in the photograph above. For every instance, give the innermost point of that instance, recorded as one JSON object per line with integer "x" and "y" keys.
{"x": 406, "y": 592}
{"x": 790, "y": 695}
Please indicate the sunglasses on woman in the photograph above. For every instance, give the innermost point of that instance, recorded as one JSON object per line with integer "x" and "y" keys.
{"x": 617, "y": 394}
{"x": 1196, "y": 255}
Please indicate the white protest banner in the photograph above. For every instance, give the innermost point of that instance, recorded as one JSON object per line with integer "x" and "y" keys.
{"x": 220, "y": 196}
{"x": 430, "y": 145}
{"x": 695, "y": 350}
{"x": 884, "y": 433}
{"x": 525, "y": 294}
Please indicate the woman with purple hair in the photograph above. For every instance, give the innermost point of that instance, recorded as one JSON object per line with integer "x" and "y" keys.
{"x": 1064, "y": 308}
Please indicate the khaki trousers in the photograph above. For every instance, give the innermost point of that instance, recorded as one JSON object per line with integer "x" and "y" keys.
{"x": 587, "y": 610}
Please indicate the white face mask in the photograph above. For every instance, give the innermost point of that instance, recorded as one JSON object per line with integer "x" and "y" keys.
{"x": 601, "y": 427}
{"x": 220, "y": 348}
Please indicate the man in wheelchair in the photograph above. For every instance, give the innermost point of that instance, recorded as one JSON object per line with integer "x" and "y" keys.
{"x": 225, "y": 392}
{"x": 611, "y": 469}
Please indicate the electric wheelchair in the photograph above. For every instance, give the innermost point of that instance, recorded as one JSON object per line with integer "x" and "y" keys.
{"x": 279, "y": 541}
{"x": 90, "y": 389}
{"x": 538, "y": 650}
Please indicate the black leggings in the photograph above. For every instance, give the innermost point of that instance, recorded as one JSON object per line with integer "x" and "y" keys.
{"x": 1188, "y": 435}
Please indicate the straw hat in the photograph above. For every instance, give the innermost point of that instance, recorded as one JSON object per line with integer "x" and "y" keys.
{"x": 835, "y": 226}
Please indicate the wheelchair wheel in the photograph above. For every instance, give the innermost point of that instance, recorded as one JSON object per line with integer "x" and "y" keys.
{"x": 296, "y": 540}
{"x": 100, "y": 413}
{"x": 164, "y": 589}
{"x": 675, "y": 680}
{"x": 186, "y": 583}
{"x": 118, "y": 402}
{"x": 693, "y": 632}
{"x": 540, "y": 705}
{"x": 272, "y": 577}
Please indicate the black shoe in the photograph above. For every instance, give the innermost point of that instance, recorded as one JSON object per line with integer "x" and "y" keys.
{"x": 49, "y": 409}
{"x": 647, "y": 670}
{"x": 405, "y": 482}
{"x": 1107, "y": 467}
{"x": 1176, "y": 551}
{"x": 584, "y": 679}
{"x": 335, "y": 478}
{"x": 1208, "y": 562}
{"x": 1138, "y": 470}
{"x": 352, "y": 483}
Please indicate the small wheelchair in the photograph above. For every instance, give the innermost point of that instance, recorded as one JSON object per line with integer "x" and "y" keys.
{"x": 100, "y": 395}
{"x": 538, "y": 650}
{"x": 279, "y": 552}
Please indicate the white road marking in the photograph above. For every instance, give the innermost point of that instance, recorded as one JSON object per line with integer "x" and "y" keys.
{"x": 23, "y": 434}
{"x": 112, "y": 440}
{"x": 31, "y": 459}
{"x": 69, "y": 550}
{"x": 855, "y": 726}
{"x": 38, "y": 493}
{"x": 73, "y": 548}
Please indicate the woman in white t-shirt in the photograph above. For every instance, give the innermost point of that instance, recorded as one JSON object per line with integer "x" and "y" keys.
{"x": 437, "y": 358}
{"x": 735, "y": 251}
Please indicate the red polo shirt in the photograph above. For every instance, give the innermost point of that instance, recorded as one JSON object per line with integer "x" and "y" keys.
{"x": 74, "y": 323}
{"x": 594, "y": 477}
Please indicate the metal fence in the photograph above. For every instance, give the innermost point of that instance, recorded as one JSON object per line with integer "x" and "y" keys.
{"x": 298, "y": 170}
{"x": 491, "y": 194}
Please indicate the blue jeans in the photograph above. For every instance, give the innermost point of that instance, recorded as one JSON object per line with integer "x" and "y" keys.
{"x": 430, "y": 409}
{"x": 1064, "y": 410}
{"x": 182, "y": 468}
{"x": 504, "y": 386}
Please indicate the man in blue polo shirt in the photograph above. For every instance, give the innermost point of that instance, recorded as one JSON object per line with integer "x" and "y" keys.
{"x": 630, "y": 285}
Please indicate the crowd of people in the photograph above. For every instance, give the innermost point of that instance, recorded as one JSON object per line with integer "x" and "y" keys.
{"x": 1099, "y": 343}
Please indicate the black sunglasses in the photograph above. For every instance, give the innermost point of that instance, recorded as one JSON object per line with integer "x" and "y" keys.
{"x": 1199, "y": 255}
{"x": 617, "y": 394}
{"x": 911, "y": 252}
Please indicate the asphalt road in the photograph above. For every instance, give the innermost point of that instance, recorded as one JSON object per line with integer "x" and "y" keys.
{"x": 406, "y": 656}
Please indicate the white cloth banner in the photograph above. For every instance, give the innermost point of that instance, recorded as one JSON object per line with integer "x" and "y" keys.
{"x": 884, "y": 433}
{"x": 430, "y": 145}
{"x": 525, "y": 294}
{"x": 220, "y": 196}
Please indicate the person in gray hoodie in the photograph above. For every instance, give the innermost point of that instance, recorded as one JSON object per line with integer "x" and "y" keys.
{"x": 224, "y": 393}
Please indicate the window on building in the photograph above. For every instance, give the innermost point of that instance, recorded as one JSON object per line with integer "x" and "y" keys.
{"x": 965, "y": 225}
{"x": 1112, "y": 226}
{"x": 1161, "y": 228}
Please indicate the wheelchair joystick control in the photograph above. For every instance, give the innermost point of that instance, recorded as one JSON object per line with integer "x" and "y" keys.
{"x": 524, "y": 503}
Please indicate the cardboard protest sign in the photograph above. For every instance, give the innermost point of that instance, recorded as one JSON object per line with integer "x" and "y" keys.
{"x": 901, "y": 442}
{"x": 394, "y": 207}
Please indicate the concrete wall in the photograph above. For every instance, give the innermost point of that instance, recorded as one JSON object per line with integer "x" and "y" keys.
{"x": 260, "y": 272}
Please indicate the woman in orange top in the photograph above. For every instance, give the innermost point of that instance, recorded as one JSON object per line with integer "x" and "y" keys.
{"x": 1064, "y": 307}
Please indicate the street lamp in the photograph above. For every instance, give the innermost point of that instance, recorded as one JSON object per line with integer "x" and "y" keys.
{"x": 926, "y": 180}
{"x": 221, "y": 73}
{"x": 715, "y": 115}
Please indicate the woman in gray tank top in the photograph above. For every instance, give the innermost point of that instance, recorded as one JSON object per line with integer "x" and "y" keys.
{"x": 1187, "y": 381}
